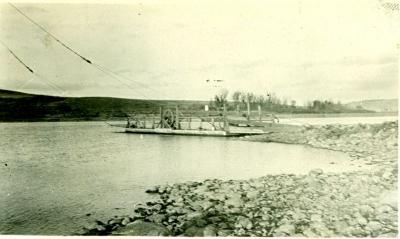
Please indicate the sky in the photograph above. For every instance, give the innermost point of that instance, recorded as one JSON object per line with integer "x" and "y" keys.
{"x": 342, "y": 50}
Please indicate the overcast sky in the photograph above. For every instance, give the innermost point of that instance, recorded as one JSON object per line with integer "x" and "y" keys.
{"x": 302, "y": 50}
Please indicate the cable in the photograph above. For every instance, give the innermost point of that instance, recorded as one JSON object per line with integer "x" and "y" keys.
{"x": 104, "y": 69}
{"x": 49, "y": 83}
{"x": 55, "y": 38}
{"x": 129, "y": 86}
{"x": 16, "y": 57}
{"x": 97, "y": 66}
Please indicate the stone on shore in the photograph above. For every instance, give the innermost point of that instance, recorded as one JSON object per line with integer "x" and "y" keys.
{"x": 140, "y": 228}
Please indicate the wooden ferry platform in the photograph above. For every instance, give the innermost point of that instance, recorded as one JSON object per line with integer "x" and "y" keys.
{"x": 174, "y": 123}
{"x": 191, "y": 132}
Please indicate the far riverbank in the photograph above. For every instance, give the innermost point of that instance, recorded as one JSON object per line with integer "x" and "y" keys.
{"x": 286, "y": 117}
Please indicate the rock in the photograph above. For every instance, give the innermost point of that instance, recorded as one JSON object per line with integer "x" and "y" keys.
{"x": 387, "y": 175}
{"x": 193, "y": 215}
{"x": 320, "y": 229}
{"x": 200, "y": 222}
{"x": 214, "y": 219}
{"x": 157, "y": 207}
{"x": 172, "y": 219}
{"x": 243, "y": 222}
{"x": 358, "y": 231}
{"x": 383, "y": 209}
{"x": 315, "y": 172}
{"x": 195, "y": 205}
{"x": 298, "y": 215}
{"x": 115, "y": 221}
{"x": 252, "y": 194}
{"x": 223, "y": 233}
{"x": 361, "y": 220}
{"x": 284, "y": 230}
{"x": 374, "y": 227}
{"x": 140, "y": 228}
{"x": 209, "y": 231}
{"x": 157, "y": 218}
{"x": 366, "y": 210}
{"x": 100, "y": 228}
{"x": 194, "y": 231}
{"x": 235, "y": 202}
{"x": 390, "y": 198}
{"x": 125, "y": 221}
{"x": 340, "y": 226}
{"x": 388, "y": 235}
{"x": 223, "y": 225}
{"x": 152, "y": 190}
{"x": 309, "y": 233}
{"x": 316, "y": 218}
{"x": 218, "y": 196}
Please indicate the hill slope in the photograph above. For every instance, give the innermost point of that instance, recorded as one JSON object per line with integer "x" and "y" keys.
{"x": 384, "y": 105}
{"x": 17, "y": 106}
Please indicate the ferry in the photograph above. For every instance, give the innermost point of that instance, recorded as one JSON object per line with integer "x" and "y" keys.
{"x": 174, "y": 123}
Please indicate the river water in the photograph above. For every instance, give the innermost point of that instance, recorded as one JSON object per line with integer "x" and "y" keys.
{"x": 56, "y": 178}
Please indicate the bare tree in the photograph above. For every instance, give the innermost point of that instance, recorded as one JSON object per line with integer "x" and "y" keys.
{"x": 293, "y": 103}
{"x": 221, "y": 98}
{"x": 251, "y": 97}
{"x": 284, "y": 102}
{"x": 243, "y": 97}
{"x": 260, "y": 99}
{"x": 236, "y": 97}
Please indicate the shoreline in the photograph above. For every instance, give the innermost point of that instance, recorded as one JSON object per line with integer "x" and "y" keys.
{"x": 233, "y": 115}
{"x": 357, "y": 204}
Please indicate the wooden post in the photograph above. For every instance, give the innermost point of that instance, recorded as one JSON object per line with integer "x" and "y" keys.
{"x": 190, "y": 121}
{"x": 178, "y": 125}
{"x": 226, "y": 123}
{"x": 161, "y": 117}
{"x": 154, "y": 123}
{"x": 212, "y": 123}
{"x": 259, "y": 113}
{"x": 248, "y": 108}
{"x": 201, "y": 123}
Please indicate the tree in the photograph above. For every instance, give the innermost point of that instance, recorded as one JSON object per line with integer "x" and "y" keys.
{"x": 260, "y": 99}
{"x": 251, "y": 97}
{"x": 284, "y": 102}
{"x": 293, "y": 103}
{"x": 243, "y": 97}
{"x": 274, "y": 99}
{"x": 236, "y": 97}
{"x": 221, "y": 98}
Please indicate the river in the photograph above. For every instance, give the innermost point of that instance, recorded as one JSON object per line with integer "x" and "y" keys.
{"x": 56, "y": 178}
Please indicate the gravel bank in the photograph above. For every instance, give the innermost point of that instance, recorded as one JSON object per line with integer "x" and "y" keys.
{"x": 376, "y": 144}
{"x": 351, "y": 204}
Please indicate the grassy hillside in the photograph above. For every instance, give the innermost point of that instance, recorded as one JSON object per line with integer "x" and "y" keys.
{"x": 385, "y": 105}
{"x": 16, "y": 106}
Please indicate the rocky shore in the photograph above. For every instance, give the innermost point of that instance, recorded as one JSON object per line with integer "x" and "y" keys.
{"x": 375, "y": 144}
{"x": 351, "y": 204}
